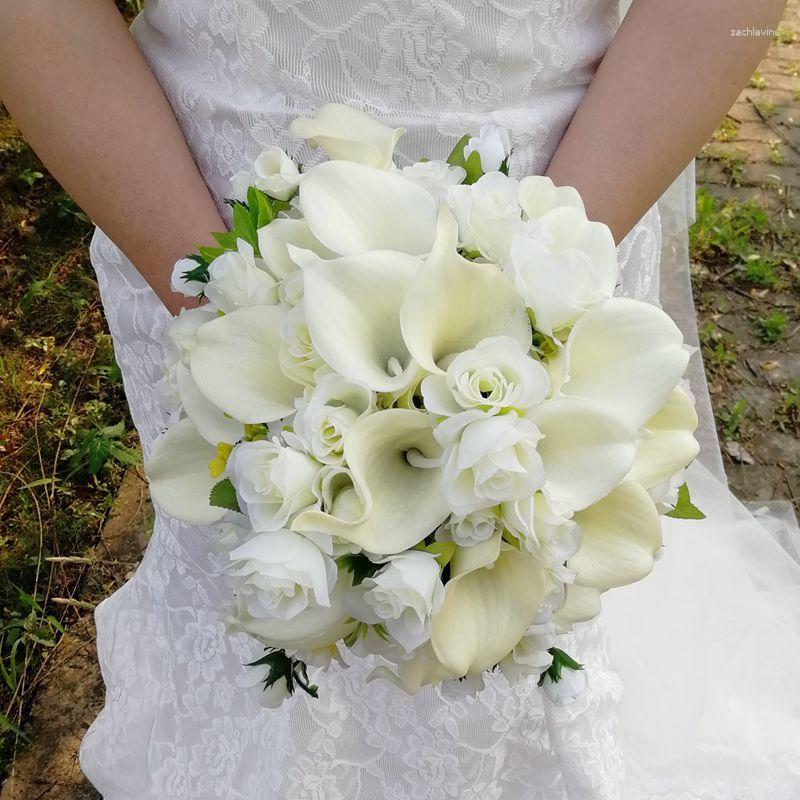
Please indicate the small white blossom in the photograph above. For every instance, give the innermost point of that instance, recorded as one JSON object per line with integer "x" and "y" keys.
{"x": 273, "y": 172}
{"x": 238, "y": 279}
{"x": 493, "y": 146}
{"x": 435, "y": 177}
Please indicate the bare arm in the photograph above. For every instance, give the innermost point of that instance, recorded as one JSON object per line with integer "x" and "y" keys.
{"x": 672, "y": 71}
{"x": 83, "y": 96}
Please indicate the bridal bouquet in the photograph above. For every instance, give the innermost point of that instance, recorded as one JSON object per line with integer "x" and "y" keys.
{"x": 417, "y": 417}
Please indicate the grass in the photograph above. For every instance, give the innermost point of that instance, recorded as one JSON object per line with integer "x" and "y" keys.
{"x": 772, "y": 326}
{"x": 66, "y": 437}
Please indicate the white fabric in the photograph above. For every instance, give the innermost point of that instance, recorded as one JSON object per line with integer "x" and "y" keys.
{"x": 706, "y": 649}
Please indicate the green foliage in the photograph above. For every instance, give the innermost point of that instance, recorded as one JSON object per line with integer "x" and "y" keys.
{"x": 359, "y": 564}
{"x": 760, "y": 272}
{"x": 684, "y": 507}
{"x": 731, "y": 418}
{"x": 93, "y": 448}
{"x": 223, "y": 495}
{"x": 561, "y": 661}
{"x": 30, "y": 176}
{"x": 772, "y": 326}
{"x": 730, "y": 228}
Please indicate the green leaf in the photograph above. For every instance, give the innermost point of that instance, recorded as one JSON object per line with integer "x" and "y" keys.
{"x": 473, "y": 167}
{"x": 226, "y": 239}
{"x": 443, "y": 551}
{"x": 223, "y": 495}
{"x": 261, "y": 210}
{"x": 7, "y": 725}
{"x": 685, "y": 508}
{"x": 243, "y": 225}
{"x": 561, "y": 660}
{"x": 456, "y": 157}
{"x": 359, "y": 565}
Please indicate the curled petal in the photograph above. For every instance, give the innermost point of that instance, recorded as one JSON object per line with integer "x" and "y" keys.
{"x": 581, "y": 603}
{"x": 353, "y": 313}
{"x": 400, "y": 503}
{"x": 620, "y": 536}
{"x": 177, "y": 470}
{"x": 353, "y": 209}
{"x": 210, "y": 422}
{"x": 671, "y": 445}
{"x": 275, "y": 238}
{"x": 453, "y": 303}
{"x": 235, "y": 365}
{"x": 486, "y": 611}
{"x": 627, "y": 355}
{"x": 586, "y": 451}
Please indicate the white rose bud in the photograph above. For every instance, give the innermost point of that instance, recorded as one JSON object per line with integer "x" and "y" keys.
{"x": 572, "y": 685}
{"x": 436, "y": 177}
{"x": 492, "y": 144}
{"x": 270, "y": 697}
{"x": 181, "y": 286}
{"x": 488, "y": 460}
{"x": 474, "y": 528}
{"x": 488, "y": 214}
{"x": 277, "y": 575}
{"x": 273, "y": 482}
{"x": 496, "y": 375}
{"x": 402, "y": 597}
{"x": 323, "y": 419}
{"x": 530, "y": 657}
{"x": 238, "y": 279}
{"x": 298, "y": 357}
{"x": 273, "y": 172}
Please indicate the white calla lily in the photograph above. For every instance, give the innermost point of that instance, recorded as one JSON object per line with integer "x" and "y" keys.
{"x": 670, "y": 446}
{"x": 453, "y": 304}
{"x": 586, "y": 451}
{"x": 353, "y": 209}
{"x": 486, "y": 611}
{"x": 353, "y": 311}
{"x": 177, "y": 470}
{"x": 400, "y": 502}
{"x": 235, "y": 365}
{"x": 349, "y": 134}
{"x": 619, "y": 538}
{"x": 627, "y": 355}
{"x": 274, "y": 239}
{"x": 210, "y": 422}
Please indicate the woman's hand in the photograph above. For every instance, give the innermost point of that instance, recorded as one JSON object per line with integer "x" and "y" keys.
{"x": 672, "y": 71}
{"x": 83, "y": 96}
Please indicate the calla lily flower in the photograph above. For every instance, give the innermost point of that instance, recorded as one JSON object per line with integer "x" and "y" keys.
{"x": 235, "y": 365}
{"x": 486, "y": 609}
{"x": 349, "y": 134}
{"x": 210, "y": 422}
{"x": 619, "y": 538}
{"x": 453, "y": 303}
{"x": 400, "y": 502}
{"x": 585, "y": 449}
{"x": 353, "y": 209}
{"x": 581, "y": 603}
{"x": 626, "y": 355}
{"x": 353, "y": 313}
{"x": 274, "y": 239}
{"x": 177, "y": 470}
{"x": 670, "y": 445}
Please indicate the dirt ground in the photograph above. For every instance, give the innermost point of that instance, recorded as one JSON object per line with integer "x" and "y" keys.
{"x": 746, "y": 277}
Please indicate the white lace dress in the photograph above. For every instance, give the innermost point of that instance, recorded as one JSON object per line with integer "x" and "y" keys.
{"x": 693, "y": 722}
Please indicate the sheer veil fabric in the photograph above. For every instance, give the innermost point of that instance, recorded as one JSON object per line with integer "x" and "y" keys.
{"x": 692, "y": 692}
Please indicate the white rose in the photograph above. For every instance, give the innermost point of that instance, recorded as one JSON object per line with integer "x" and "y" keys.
{"x": 279, "y": 574}
{"x": 273, "y": 172}
{"x": 530, "y": 656}
{"x": 298, "y": 357}
{"x": 290, "y": 291}
{"x": 488, "y": 214}
{"x": 348, "y": 134}
{"x": 268, "y": 696}
{"x": 479, "y": 526}
{"x": 493, "y": 146}
{"x": 538, "y": 195}
{"x": 323, "y": 418}
{"x": 435, "y": 177}
{"x": 488, "y": 460}
{"x": 495, "y": 375}
{"x": 551, "y": 538}
{"x": 561, "y": 264}
{"x": 273, "y": 482}
{"x": 238, "y": 279}
{"x": 402, "y": 596}
{"x": 573, "y": 683}
{"x": 181, "y": 286}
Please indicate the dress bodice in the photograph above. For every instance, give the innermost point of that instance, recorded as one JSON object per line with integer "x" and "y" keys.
{"x": 237, "y": 71}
